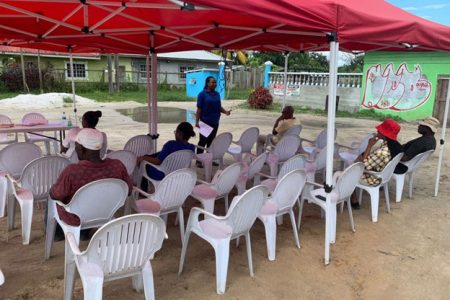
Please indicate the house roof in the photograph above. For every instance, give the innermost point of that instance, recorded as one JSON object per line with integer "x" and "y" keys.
{"x": 191, "y": 55}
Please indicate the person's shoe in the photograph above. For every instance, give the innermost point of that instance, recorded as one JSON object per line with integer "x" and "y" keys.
{"x": 199, "y": 164}
{"x": 355, "y": 205}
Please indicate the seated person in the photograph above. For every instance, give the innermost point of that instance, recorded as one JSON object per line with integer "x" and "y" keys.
{"x": 183, "y": 133}
{"x": 282, "y": 124}
{"x": 380, "y": 150}
{"x": 89, "y": 120}
{"x": 89, "y": 168}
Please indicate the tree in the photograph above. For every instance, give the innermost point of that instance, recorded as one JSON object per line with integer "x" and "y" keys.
{"x": 354, "y": 64}
{"x": 298, "y": 61}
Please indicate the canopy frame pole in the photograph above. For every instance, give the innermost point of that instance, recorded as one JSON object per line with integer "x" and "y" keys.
{"x": 331, "y": 116}
{"x": 72, "y": 78}
{"x": 151, "y": 64}
{"x": 286, "y": 58}
{"x": 442, "y": 141}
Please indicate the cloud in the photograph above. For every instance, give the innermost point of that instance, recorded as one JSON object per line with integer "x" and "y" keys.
{"x": 436, "y": 6}
{"x": 411, "y": 8}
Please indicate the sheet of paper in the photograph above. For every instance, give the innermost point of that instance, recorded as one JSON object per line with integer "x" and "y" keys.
{"x": 204, "y": 129}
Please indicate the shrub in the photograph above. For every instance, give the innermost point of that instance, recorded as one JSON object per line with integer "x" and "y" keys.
{"x": 260, "y": 98}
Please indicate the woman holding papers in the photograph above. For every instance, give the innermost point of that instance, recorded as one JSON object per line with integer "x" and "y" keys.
{"x": 209, "y": 108}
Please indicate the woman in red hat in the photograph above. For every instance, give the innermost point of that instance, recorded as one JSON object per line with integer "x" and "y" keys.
{"x": 380, "y": 150}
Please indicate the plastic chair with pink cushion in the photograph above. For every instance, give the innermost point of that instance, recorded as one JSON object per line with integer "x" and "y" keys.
{"x": 245, "y": 143}
{"x": 35, "y": 118}
{"x": 169, "y": 196}
{"x": 297, "y": 162}
{"x": 5, "y": 138}
{"x": 214, "y": 153}
{"x": 251, "y": 171}
{"x": 284, "y": 149}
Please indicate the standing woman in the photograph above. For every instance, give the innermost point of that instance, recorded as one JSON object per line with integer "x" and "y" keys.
{"x": 209, "y": 108}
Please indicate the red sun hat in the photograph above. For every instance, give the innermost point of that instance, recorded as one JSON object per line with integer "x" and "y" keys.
{"x": 389, "y": 128}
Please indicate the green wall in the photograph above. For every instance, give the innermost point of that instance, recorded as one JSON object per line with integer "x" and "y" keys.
{"x": 402, "y": 83}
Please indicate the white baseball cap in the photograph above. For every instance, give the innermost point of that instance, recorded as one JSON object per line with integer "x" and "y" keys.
{"x": 90, "y": 138}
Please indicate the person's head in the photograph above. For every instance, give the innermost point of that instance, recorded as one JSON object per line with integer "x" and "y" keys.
{"x": 428, "y": 126}
{"x": 389, "y": 129}
{"x": 88, "y": 143}
{"x": 90, "y": 119}
{"x": 288, "y": 112}
{"x": 184, "y": 131}
{"x": 210, "y": 83}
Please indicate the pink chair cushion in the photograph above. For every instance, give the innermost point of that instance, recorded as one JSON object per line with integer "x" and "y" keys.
{"x": 269, "y": 208}
{"x": 148, "y": 206}
{"x": 204, "y": 191}
{"x": 205, "y": 156}
{"x": 270, "y": 184}
{"x": 215, "y": 229}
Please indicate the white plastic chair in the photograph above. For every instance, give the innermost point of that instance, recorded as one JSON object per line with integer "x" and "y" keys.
{"x": 2, "y": 278}
{"x": 140, "y": 145}
{"x": 351, "y": 153}
{"x": 293, "y": 130}
{"x": 169, "y": 196}
{"x": 344, "y": 184}
{"x": 317, "y": 164}
{"x": 245, "y": 143}
{"x": 319, "y": 143}
{"x": 374, "y": 191}
{"x": 412, "y": 165}
{"x": 121, "y": 248}
{"x": 127, "y": 158}
{"x": 94, "y": 203}
{"x": 218, "y": 231}
{"x": 297, "y": 162}
{"x": 222, "y": 184}
{"x": 5, "y": 137}
{"x": 249, "y": 172}
{"x": 281, "y": 202}
{"x": 284, "y": 149}
{"x": 13, "y": 158}
{"x": 174, "y": 161}
{"x": 33, "y": 186}
{"x": 38, "y": 119}
{"x": 214, "y": 153}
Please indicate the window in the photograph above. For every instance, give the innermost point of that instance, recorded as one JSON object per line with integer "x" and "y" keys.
{"x": 182, "y": 69}
{"x": 79, "y": 70}
{"x": 143, "y": 71}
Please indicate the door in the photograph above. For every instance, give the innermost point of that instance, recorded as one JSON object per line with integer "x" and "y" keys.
{"x": 441, "y": 97}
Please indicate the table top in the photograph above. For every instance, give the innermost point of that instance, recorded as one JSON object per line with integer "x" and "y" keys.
{"x": 56, "y": 126}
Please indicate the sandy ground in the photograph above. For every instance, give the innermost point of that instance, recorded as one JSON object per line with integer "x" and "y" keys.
{"x": 403, "y": 256}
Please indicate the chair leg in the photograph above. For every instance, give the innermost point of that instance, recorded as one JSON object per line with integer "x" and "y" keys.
{"x": 181, "y": 217}
{"x": 184, "y": 248}
{"x": 410, "y": 185}
{"x": 92, "y": 285}
{"x": 248, "y": 245}
{"x": 270, "y": 229}
{"x": 280, "y": 220}
{"x": 294, "y": 227}
{"x": 3, "y": 195}
{"x": 147, "y": 275}
{"x": 240, "y": 186}
{"x": 222, "y": 250}
{"x": 359, "y": 191}
{"x": 226, "y": 203}
{"x": 208, "y": 205}
{"x": 386, "y": 196}
{"x": 69, "y": 265}
{"x": 49, "y": 235}
{"x": 399, "y": 183}
{"x": 208, "y": 170}
{"x": 374, "y": 202}
{"x": 273, "y": 169}
{"x": 11, "y": 211}
{"x": 301, "y": 201}
{"x": 26, "y": 213}
{"x": 350, "y": 213}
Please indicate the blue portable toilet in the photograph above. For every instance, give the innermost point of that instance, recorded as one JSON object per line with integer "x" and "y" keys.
{"x": 195, "y": 80}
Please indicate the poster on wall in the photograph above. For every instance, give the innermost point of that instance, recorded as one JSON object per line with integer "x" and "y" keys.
{"x": 400, "y": 90}
{"x": 292, "y": 89}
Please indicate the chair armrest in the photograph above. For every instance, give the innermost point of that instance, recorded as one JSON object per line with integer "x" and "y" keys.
{"x": 197, "y": 211}
{"x": 139, "y": 191}
{"x": 73, "y": 244}
{"x": 306, "y": 140}
{"x": 157, "y": 167}
{"x": 314, "y": 184}
{"x": 346, "y": 147}
{"x": 200, "y": 147}
{"x": 202, "y": 182}
{"x": 266, "y": 175}
{"x": 60, "y": 203}
{"x": 372, "y": 173}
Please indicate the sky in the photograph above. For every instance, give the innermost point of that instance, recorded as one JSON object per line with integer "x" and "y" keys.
{"x": 434, "y": 10}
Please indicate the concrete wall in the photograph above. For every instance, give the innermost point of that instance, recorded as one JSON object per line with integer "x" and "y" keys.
{"x": 314, "y": 97}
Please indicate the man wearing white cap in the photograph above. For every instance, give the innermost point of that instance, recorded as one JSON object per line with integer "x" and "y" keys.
{"x": 90, "y": 167}
{"x": 427, "y": 128}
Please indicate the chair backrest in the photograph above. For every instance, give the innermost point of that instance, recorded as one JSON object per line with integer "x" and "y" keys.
{"x": 321, "y": 159}
{"x": 256, "y": 165}
{"x": 287, "y": 147}
{"x": 321, "y": 140}
{"x": 245, "y": 209}
{"x": 417, "y": 160}
{"x": 248, "y": 139}
{"x": 288, "y": 189}
{"x": 5, "y": 119}
{"x": 125, "y": 244}
{"x": 97, "y": 201}
{"x": 127, "y": 158}
{"x": 14, "y": 157}
{"x": 293, "y": 130}
{"x": 4, "y": 136}
{"x": 40, "y": 174}
{"x": 364, "y": 143}
{"x": 34, "y": 116}
{"x": 140, "y": 145}
{"x": 220, "y": 145}
{"x": 388, "y": 170}
{"x": 294, "y": 163}
{"x": 347, "y": 181}
{"x": 104, "y": 148}
{"x": 177, "y": 160}
{"x": 174, "y": 188}
{"x": 227, "y": 178}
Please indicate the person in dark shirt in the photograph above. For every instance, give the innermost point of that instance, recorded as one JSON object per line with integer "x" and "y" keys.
{"x": 209, "y": 108}
{"x": 183, "y": 133}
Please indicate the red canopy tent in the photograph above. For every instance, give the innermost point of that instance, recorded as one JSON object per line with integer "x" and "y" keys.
{"x": 150, "y": 26}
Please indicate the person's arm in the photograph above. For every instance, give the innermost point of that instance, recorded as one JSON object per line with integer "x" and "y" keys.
{"x": 274, "y": 131}
{"x": 370, "y": 144}
{"x": 150, "y": 159}
{"x": 60, "y": 189}
{"x": 224, "y": 111}
{"x": 198, "y": 114}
